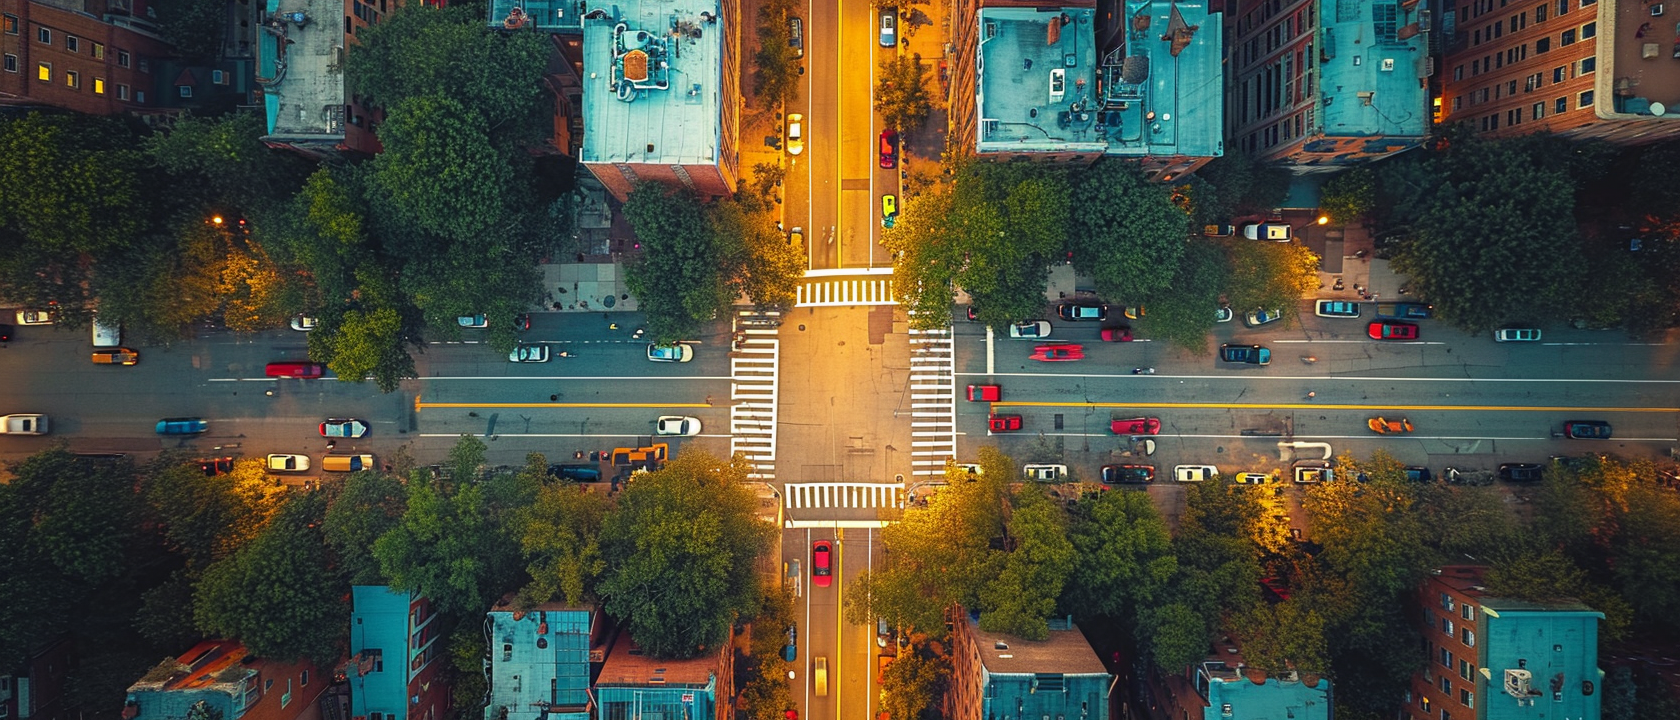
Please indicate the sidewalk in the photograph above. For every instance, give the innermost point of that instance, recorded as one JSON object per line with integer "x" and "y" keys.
{"x": 927, "y": 33}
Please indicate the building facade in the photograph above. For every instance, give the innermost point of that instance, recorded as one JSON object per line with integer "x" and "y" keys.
{"x": 1578, "y": 68}
{"x": 217, "y": 676}
{"x": 91, "y": 56}
{"x": 1491, "y": 658}
{"x": 634, "y": 686}
{"x": 542, "y": 661}
{"x": 36, "y": 690}
{"x": 395, "y": 656}
{"x": 1317, "y": 85}
{"x": 996, "y": 676}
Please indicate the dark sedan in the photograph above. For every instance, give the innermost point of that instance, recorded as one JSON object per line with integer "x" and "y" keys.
{"x": 1247, "y": 354}
{"x": 1587, "y": 429}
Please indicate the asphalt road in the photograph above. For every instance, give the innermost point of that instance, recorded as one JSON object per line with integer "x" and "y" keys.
{"x": 850, "y": 650}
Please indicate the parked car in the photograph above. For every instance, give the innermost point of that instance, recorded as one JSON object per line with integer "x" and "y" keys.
{"x": 1246, "y": 354}
{"x": 1128, "y": 474}
{"x": 212, "y": 467}
{"x": 1520, "y": 472}
{"x": 1336, "y": 309}
{"x": 676, "y": 425}
{"x": 1045, "y": 472}
{"x": 115, "y": 356}
{"x": 1516, "y": 335}
{"x": 304, "y": 323}
{"x": 1262, "y": 316}
{"x": 795, "y": 133}
{"x": 1219, "y": 230}
{"x": 796, "y": 36}
{"x": 5, "y": 333}
{"x": 985, "y": 393}
{"x": 24, "y": 424}
{"x": 1195, "y": 473}
{"x": 343, "y": 428}
{"x": 1253, "y": 478}
{"x": 1587, "y": 429}
{"x": 1135, "y": 426}
{"x": 575, "y": 473}
{"x": 889, "y": 26}
{"x": 822, "y": 569}
{"x": 889, "y": 148}
{"x": 889, "y": 210}
{"x": 295, "y": 369}
{"x": 679, "y": 352}
{"x": 1406, "y": 310}
{"x": 971, "y": 468}
{"x": 472, "y": 321}
{"x": 1060, "y": 352}
{"x": 182, "y": 426}
{"x": 523, "y": 353}
{"x": 522, "y": 322}
{"x": 1389, "y": 330}
{"x": 1081, "y": 311}
{"x": 1030, "y": 329}
{"x": 1117, "y": 334}
{"x": 286, "y": 463}
{"x": 1418, "y": 473}
{"x": 1389, "y": 427}
{"x": 1132, "y": 312}
{"x": 34, "y": 317}
{"x": 1274, "y": 231}
{"x": 1314, "y": 471}
{"x": 1003, "y": 423}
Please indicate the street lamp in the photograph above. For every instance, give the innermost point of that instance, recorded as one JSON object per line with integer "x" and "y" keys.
{"x": 1324, "y": 219}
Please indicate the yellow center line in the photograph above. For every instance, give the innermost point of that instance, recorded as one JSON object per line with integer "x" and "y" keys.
{"x": 1334, "y": 406}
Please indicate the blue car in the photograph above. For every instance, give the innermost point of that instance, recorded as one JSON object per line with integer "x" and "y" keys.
{"x": 1247, "y": 354}
{"x": 182, "y": 426}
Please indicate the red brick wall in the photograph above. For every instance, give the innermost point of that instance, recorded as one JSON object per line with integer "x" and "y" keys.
{"x": 92, "y": 39}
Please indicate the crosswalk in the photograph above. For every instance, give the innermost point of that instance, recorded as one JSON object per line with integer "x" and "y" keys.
{"x": 752, "y": 407}
{"x": 849, "y": 290}
{"x": 933, "y": 401}
{"x": 850, "y": 495}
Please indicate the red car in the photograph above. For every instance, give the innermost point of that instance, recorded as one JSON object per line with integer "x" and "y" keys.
{"x": 1058, "y": 353}
{"x": 1004, "y": 423}
{"x": 295, "y": 370}
{"x": 1117, "y": 334}
{"x": 821, "y": 569}
{"x": 1136, "y": 426}
{"x": 1381, "y": 330}
{"x": 984, "y": 393}
{"x": 889, "y": 148}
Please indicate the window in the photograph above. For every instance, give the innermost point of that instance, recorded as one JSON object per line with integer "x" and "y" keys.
{"x": 1540, "y": 13}
{"x": 1589, "y": 30}
{"x": 44, "y": 35}
{"x": 145, "y": 65}
{"x": 1465, "y": 668}
{"x": 185, "y": 90}
{"x": 1446, "y": 602}
{"x": 1585, "y": 99}
{"x": 1466, "y": 698}
{"x": 218, "y": 77}
{"x": 11, "y": 62}
{"x": 1468, "y": 636}
{"x": 1558, "y": 75}
{"x": 99, "y": 51}
{"x": 1423, "y": 702}
{"x": 72, "y": 43}
{"x": 1458, "y": 73}
{"x": 305, "y": 679}
{"x": 122, "y": 58}
{"x": 72, "y": 79}
{"x": 140, "y": 96}
{"x": 1588, "y": 66}
{"x": 1539, "y": 111}
{"x": 1543, "y": 45}
{"x": 1445, "y": 715}
{"x": 122, "y": 92}
{"x": 1560, "y": 105}
{"x": 1585, "y": 3}
{"x": 1445, "y": 685}
{"x": 1447, "y": 626}
{"x": 11, "y": 25}
{"x": 1567, "y": 39}
{"x": 43, "y": 72}
{"x": 99, "y": 86}
{"x": 1458, "y": 103}
{"x": 1511, "y": 88}
{"x": 1563, "y": 6}
{"x": 1446, "y": 658}
{"x": 1533, "y": 82}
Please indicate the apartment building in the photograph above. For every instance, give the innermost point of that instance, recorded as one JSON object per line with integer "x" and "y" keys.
{"x": 218, "y": 678}
{"x": 995, "y": 675}
{"x": 1224, "y": 686}
{"x": 1492, "y": 658}
{"x": 562, "y": 20}
{"x": 91, "y": 56}
{"x": 661, "y": 95}
{"x": 637, "y": 686}
{"x": 1579, "y": 68}
{"x": 396, "y": 649}
{"x": 35, "y": 689}
{"x": 1316, "y": 85}
{"x": 542, "y": 660}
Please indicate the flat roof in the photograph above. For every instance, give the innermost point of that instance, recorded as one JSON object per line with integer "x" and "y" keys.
{"x": 652, "y": 83}
{"x": 1371, "y": 79}
{"x": 1066, "y": 652}
{"x": 549, "y": 15}
{"x": 627, "y": 666}
{"x": 1640, "y": 72}
{"x": 303, "y": 77}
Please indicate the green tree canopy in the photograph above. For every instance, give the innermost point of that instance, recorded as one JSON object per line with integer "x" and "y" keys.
{"x": 1122, "y": 556}
{"x": 365, "y": 506}
{"x": 561, "y": 539}
{"x": 1021, "y": 597}
{"x": 680, "y": 280}
{"x": 1128, "y": 233}
{"x": 902, "y": 95}
{"x": 439, "y": 173}
{"x": 449, "y": 546}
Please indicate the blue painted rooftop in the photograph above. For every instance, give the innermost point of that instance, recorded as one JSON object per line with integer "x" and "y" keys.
{"x": 303, "y": 77}
{"x": 1553, "y": 648}
{"x": 652, "y": 82}
{"x": 1369, "y": 78}
{"x": 1040, "y": 87}
{"x": 539, "y": 663}
{"x": 213, "y": 672}
{"x": 1275, "y": 697}
{"x": 383, "y": 658}
{"x": 547, "y": 15}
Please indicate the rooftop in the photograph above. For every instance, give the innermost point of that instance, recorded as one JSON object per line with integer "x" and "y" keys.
{"x": 627, "y": 666}
{"x": 549, "y": 15}
{"x": 1468, "y": 579}
{"x": 300, "y": 61}
{"x": 652, "y": 83}
{"x": 1066, "y": 652}
{"x": 215, "y": 665}
{"x": 1642, "y": 64}
{"x": 1371, "y": 69}
{"x": 539, "y": 661}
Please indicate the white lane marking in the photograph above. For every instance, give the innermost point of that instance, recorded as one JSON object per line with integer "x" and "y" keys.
{"x": 1321, "y": 378}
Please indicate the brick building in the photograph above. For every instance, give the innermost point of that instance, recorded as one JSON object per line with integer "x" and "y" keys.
{"x": 1223, "y": 687}
{"x": 1578, "y": 68}
{"x": 35, "y": 691}
{"x": 219, "y": 676}
{"x": 995, "y": 675}
{"x": 635, "y": 686}
{"x": 91, "y": 56}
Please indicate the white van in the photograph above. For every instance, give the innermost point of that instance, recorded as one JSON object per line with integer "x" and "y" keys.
{"x": 1516, "y": 335}
{"x": 106, "y": 335}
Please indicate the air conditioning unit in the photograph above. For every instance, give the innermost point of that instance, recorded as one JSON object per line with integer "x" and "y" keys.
{"x": 1517, "y": 683}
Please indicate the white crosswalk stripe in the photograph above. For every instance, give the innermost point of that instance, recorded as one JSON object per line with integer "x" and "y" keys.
{"x": 752, "y": 402}
{"x": 933, "y": 401}
{"x": 838, "y": 291}
{"x": 843, "y": 495}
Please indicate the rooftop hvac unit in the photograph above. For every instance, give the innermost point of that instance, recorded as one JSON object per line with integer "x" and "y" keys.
{"x": 1517, "y": 683}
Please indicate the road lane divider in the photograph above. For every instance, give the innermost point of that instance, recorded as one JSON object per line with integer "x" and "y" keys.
{"x": 1335, "y": 406}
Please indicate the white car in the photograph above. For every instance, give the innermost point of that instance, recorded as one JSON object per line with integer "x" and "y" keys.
{"x": 1045, "y": 473}
{"x": 677, "y": 425}
{"x": 23, "y": 425}
{"x": 795, "y": 133}
{"x": 304, "y": 323}
{"x": 1031, "y": 329}
{"x": 1195, "y": 473}
{"x": 288, "y": 463}
{"x": 972, "y": 468}
{"x": 34, "y": 317}
{"x": 670, "y": 353}
{"x": 1275, "y": 231}
{"x": 472, "y": 321}
{"x": 528, "y": 354}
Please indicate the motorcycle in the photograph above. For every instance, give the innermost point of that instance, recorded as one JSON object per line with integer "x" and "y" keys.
{"x": 1143, "y": 371}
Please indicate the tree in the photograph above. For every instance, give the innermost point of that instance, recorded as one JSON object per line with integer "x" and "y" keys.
{"x": 206, "y": 519}
{"x": 1349, "y": 195}
{"x": 772, "y": 265}
{"x": 1178, "y": 637}
{"x": 1122, "y": 556}
{"x": 195, "y": 28}
{"x": 776, "y": 77}
{"x": 912, "y": 683}
{"x": 681, "y": 279}
{"x": 1127, "y": 234}
{"x": 1183, "y": 312}
{"x": 365, "y": 343}
{"x": 1647, "y": 566}
{"x": 1283, "y": 637}
{"x": 924, "y": 253}
{"x": 438, "y": 172}
{"x": 1008, "y": 222}
{"x": 561, "y": 540}
{"x": 449, "y": 546}
{"x": 680, "y": 552}
{"x": 902, "y": 95}
{"x": 1020, "y": 598}
{"x": 278, "y": 596}
{"x": 766, "y": 694}
{"x": 225, "y": 160}
{"x": 365, "y": 506}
